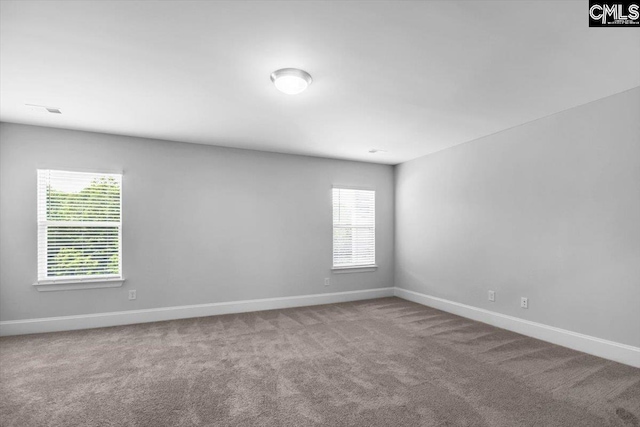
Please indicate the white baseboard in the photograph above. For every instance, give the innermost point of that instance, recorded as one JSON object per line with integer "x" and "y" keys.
{"x": 596, "y": 346}
{"x": 100, "y": 320}
{"x": 611, "y": 350}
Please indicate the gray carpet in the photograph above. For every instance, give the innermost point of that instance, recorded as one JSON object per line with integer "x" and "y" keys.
{"x": 384, "y": 362}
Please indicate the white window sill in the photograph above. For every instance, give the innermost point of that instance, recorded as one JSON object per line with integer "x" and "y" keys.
{"x": 355, "y": 269}
{"x": 75, "y": 284}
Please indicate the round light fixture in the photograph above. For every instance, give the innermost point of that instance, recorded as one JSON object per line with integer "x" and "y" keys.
{"x": 291, "y": 80}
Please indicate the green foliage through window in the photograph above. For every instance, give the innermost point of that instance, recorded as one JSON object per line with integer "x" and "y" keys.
{"x": 82, "y": 227}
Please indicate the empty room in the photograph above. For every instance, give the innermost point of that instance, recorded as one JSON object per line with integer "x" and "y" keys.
{"x": 319, "y": 213}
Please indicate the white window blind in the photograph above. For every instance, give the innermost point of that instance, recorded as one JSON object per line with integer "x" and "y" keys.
{"x": 354, "y": 227}
{"x": 79, "y": 226}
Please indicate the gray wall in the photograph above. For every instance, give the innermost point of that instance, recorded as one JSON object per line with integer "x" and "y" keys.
{"x": 201, "y": 224}
{"x": 549, "y": 210}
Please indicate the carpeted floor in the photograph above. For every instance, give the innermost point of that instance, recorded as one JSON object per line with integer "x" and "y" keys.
{"x": 384, "y": 362}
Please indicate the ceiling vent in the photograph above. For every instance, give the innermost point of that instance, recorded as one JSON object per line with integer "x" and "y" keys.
{"x": 43, "y": 109}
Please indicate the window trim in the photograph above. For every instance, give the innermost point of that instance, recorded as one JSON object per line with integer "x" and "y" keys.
{"x": 65, "y": 283}
{"x": 71, "y": 284}
{"x": 360, "y": 268}
{"x": 355, "y": 269}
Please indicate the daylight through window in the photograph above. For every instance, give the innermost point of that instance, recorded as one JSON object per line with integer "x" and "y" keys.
{"x": 79, "y": 226}
{"x": 354, "y": 228}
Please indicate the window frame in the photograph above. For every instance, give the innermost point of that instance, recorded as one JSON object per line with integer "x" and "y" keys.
{"x": 356, "y": 268}
{"x": 45, "y": 282}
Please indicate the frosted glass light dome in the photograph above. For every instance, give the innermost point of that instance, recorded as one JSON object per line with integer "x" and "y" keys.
{"x": 291, "y": 80}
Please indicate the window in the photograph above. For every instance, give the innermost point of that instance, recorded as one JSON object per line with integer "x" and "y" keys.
{"x": 354, "y": 228}
{"x": 79, "y": 227}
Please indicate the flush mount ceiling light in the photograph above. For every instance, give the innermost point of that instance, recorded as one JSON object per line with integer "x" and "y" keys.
{"x": 43, "y": 109}
{"x": 291, "y": 80}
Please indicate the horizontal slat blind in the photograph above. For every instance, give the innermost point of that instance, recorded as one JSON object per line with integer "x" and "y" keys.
{"x": 79, "y": 225}
{"x": 354, "y": 227}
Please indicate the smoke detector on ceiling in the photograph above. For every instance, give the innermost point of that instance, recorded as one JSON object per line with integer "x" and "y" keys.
{"x": 43, "y": 109}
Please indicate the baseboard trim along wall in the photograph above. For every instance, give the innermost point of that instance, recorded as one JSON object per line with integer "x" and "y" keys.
{"x": 611, "y": 350}
{"x": 100, "y": 320}
{"x": 596, "y": 346}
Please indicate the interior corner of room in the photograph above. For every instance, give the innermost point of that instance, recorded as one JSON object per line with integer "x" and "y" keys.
{"x": 423, "y": 208}
{"x": 546, "y": 210}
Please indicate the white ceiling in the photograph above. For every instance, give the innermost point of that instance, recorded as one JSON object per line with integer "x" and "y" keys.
{"x": 407, "y": 77}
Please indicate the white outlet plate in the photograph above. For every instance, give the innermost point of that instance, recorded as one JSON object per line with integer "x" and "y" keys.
{"x": 492, "y": 296}
{"x": 327, "y": 281}
{"x": 524, "y": 302}
{"x": 132, "y": 294}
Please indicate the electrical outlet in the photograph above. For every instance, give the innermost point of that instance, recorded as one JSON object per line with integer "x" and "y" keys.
{"x": 524, "y": 302}
{"x": 132, "y": 294}
{"x": 492, "y": 296}
{"x": 327, "y": 281}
